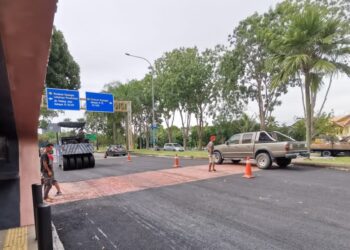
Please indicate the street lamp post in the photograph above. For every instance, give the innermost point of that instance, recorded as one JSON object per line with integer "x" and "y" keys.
{"x": 153, "y": 120}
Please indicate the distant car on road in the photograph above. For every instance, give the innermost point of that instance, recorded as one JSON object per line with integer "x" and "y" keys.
{"x": 173, "y": 147}
{"x": 115, "y": 150}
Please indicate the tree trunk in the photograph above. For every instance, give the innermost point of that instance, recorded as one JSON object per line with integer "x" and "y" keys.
{"x": 114, "y": 133}
{"x": 140, "y": 136}
{"x": 262, "y": 117}
{"x": 169, "y": 128}
{"x": 200, "y": 129}
{"x": 308, "y": 104}
{"x": 185, "y": 128}
{"x": 326, "y": 96}
{"x": 147, "y": 137}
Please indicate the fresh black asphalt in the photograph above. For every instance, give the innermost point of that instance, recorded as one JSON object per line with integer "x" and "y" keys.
{"x": 118, "y": 165}
{"x": 293, "y": 208}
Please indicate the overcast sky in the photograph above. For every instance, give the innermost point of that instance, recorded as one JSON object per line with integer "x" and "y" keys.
{"x": 98, "y": 34}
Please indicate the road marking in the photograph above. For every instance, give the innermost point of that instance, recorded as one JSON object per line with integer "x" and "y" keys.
{"x": 90, "y": 189}
{"x": 16, "y": 239}
{"x": 105, "y": 235}
{"x": 100, "y": 230}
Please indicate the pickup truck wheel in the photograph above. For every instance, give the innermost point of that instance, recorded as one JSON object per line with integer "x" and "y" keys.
{"x": 283, "y": 162}
{"x": 263, "y": 161}
{"x": 326, "y": 153}
{"x": 218, "y": 157}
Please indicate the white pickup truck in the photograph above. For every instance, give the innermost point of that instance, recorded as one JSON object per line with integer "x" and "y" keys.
{"x": 264, "y": 147}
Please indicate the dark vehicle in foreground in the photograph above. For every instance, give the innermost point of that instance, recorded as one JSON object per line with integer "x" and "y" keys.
{"x": 264, "y": 147}
{"x": 115, "y": 150}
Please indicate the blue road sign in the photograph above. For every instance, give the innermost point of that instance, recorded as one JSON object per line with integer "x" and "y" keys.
{"x": 99, "y": 102}
{"x": 62, "y": 99}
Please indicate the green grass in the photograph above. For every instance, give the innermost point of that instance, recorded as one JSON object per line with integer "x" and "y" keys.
{"x": 339, "y": 160}
{"x": 101, "y": 149}
{"x": 193, "y": 154}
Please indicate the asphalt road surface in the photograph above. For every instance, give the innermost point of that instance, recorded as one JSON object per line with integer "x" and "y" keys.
{"x": 293, "y": 208}
{"x": 118, "y": 165}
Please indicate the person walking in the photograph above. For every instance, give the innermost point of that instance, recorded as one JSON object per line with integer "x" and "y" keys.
{"x": 210, "y": 148}
{"x": 54, "y": 181}
{"x": 47, "y": 172}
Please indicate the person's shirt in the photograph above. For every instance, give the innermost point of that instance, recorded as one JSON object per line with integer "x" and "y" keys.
{"x": 210, "y": 147}
{"x": 50, "y": 159}
{"x": 45, "y": 158}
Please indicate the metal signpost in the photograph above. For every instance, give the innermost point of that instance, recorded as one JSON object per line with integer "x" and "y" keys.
{"x": 99, "y": 102}
{"x": 62, "y": 99}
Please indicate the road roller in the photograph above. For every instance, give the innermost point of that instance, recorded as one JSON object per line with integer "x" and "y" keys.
{"x": 75, "y": 152}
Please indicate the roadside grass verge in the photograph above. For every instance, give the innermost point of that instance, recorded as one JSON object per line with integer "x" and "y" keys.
{"x": 341, "y": 161}
{"x": 191, "y": 154}
{"x": 101, "y": 149}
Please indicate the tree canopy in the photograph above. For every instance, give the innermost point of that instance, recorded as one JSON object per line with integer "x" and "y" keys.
{"x": 315, "y": 44}
{"x": 62, "y": 71}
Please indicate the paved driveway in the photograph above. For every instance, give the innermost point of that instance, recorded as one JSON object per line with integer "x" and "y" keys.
{"x": 293, "y": 208}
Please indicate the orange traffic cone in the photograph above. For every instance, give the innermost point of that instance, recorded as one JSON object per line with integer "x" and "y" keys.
{"x": 176, "y": 162}
{"x": 248, "y": 170}
{"x": 129, "y": 157}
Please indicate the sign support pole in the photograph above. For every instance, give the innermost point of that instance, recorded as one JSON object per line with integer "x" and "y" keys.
{"x": 129, "y": 118}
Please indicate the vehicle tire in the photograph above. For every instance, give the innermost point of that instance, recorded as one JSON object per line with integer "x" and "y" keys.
{"x": 72, "y": 164}
{"x": 263, "y": 161}
{"x": 283, "y": 162}
{"x": 92, "y": 161}
{"x": 79, "y": 162}
{"x": 86, "y": 163}
{"x": 235, "y": 161}
{"x": 65, "y": 163}
{"x": 326, "y": 153}
{"x": 218, "y": 157}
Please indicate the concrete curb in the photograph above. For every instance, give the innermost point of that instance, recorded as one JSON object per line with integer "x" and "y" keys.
{"x": 322, "y": 165}
{"x": 57, "y": 244}
{"x": 172, "y": 156}
{"x": 310, "y": 164}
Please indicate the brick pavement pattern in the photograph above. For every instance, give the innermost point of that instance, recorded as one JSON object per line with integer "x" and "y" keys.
{"x": 90, "y": 189}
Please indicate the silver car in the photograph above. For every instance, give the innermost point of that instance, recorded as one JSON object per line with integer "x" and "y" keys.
{"x": 173, "y": 147}
{"x": 115, "y": 150}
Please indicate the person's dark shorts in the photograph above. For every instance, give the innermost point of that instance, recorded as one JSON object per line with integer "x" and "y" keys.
{"x": 48, "y": 180}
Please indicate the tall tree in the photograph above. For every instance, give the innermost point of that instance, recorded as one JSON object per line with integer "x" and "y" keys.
{"x": 140, "y": 95}
{"x": 308, "y": 48}
{"x": 253, "y": 72}
{"x": 62, "y": 72}
{"x": 184, "y": 79}
{"x": 339, "y": 9}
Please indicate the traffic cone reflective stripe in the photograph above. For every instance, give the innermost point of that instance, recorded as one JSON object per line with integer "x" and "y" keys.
{"x": 176, "y": 162}
{"x": 129, "y": 157}
{"x": 248, "y": 170}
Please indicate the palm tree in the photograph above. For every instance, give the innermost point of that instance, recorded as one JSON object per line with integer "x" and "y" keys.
{"x": 314, "y": 46}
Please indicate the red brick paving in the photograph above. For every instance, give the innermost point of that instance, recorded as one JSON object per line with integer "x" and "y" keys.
{"x": 106, "y": 186}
